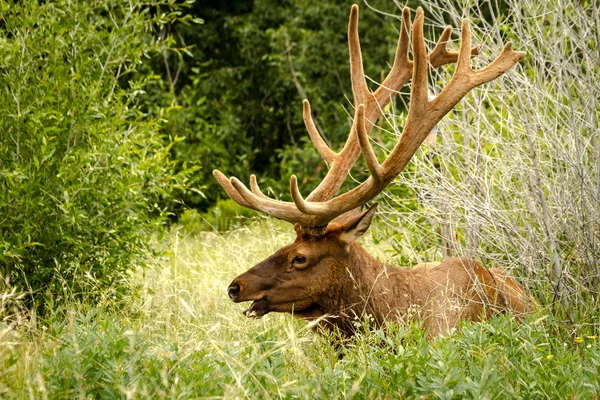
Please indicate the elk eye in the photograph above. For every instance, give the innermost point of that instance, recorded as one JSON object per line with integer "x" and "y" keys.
{"x": 299, "y": 260}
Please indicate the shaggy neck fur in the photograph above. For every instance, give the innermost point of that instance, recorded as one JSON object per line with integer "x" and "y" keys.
{"x": 364, "y": 287}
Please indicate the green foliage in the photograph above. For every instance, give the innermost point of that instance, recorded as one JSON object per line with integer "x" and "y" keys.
{"x": 81, "y": 166}
{"x": 239, "y": 97}
{"x": 184, "y": 339}
{"x": 221, "y": 217}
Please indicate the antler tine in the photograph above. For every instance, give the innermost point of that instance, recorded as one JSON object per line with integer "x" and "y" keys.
{"x": 419, "y": 88}
{"x": 322, "y": 147}
{"x": 255, "y": 188}
{"x": 365, "y": 146}
{"x": 402, "y": 67}
{"x": 231, "y": 191}
{"x": 463, "y": 65}
{"x": 507, "y": 58}
{"x": 357, "y": 73}
{"x": 441, "y": 55}
{"x": 310, "y": 208}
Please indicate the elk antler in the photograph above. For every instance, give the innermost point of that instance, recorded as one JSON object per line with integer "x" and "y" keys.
{"x": 320, "y": 207}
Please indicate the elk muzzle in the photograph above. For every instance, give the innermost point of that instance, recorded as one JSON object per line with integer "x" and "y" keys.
{"x": 233, "y": 291}
{"x": 242, "y": 289}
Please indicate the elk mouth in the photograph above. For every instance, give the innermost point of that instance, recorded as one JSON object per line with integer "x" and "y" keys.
{"x": 258, "y": 308}
{"x": 261, "y": 307}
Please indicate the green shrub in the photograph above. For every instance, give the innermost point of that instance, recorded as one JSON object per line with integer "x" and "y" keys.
{"x": 81, "y": 167}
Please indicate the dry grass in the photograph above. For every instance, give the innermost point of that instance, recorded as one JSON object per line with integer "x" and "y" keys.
{"x": 517, "y": 185}
{"x": 514, "y": 177}
{"x": 180, "y": 337}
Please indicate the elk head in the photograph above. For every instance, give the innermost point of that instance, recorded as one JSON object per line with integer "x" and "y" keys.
{"x": 299, "y": 276}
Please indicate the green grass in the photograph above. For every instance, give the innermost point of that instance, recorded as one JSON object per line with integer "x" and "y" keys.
{"x": 180, "y": 337}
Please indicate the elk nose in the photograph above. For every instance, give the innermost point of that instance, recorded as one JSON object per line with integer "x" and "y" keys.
{"x": 233, "y": 291}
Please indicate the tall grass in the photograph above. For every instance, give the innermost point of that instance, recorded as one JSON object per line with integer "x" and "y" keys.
{"x": 180, "y": 337}
{"x": 514, "y": 178}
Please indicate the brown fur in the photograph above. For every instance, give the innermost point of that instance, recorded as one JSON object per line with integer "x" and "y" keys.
{"x": 340, "y": 282}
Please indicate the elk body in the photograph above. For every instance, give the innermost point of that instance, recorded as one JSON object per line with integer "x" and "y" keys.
{"x": 324, "y": 274}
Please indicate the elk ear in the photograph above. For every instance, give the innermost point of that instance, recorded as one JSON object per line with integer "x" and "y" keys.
{"x": 298, "y": 229}
{"x": 357, "y": 226}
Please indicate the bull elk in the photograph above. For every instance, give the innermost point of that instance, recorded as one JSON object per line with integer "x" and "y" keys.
{"x": 324, "y": 274}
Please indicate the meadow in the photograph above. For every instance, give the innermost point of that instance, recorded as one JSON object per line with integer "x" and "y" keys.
{"x": 117, "y": 246}
{"x": 178, "y": 336}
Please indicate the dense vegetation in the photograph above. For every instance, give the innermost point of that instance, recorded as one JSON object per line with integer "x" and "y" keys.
{"x": 114, "y": 114}
{"x": 180, "y": 338}
{"x": 253, "y": 63}
{"x": 82, "y": 168}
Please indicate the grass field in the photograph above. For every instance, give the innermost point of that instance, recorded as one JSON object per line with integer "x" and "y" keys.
{"x": 180, "y": 337}
{"x": 513, "y": 179}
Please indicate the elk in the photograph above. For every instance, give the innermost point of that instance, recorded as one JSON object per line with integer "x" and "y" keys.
{"x": 325, "y": 275}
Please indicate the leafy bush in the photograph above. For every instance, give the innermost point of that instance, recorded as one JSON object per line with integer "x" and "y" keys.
{"x": 81, "y": 167}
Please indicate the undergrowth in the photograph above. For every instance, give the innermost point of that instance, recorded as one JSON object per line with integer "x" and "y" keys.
{"x": 180, "y": 337}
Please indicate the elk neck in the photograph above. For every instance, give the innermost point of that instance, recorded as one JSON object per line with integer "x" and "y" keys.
{"x": 364, "y": 286}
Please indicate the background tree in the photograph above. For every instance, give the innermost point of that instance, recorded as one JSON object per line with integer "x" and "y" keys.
{"x": 241, "y": 93}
